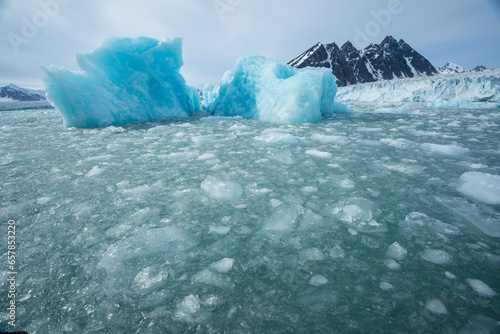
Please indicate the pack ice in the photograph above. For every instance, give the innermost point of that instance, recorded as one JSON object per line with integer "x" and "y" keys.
{"x": 263, "y": 89}
{"x": 125, "y": 80}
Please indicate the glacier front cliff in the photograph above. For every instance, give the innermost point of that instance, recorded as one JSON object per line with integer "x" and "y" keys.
{"x": 465, "y": 90}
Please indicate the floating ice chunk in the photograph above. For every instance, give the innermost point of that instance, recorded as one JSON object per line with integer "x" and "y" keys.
{"x": 405, "y": 168}
{"x": 207, "y": 156}
{"x": 420, "y": 223}
{"x": 239, "y": 128}
{"x": 436, "y": 256}
{"x": 318, "y": 280}
{"x": 253, "y": 188}
{"x": 208, "y": 277}
{"x": 396, "y": 251}
{"x": 337, "y": 253}
{"x": 482, "y": 216}
{"x": 43, "y": 200}
{"x": 391, "y": 264}
{"x": 275, "y": 202}
{"x": 283, "y": 218}
{"x": 386, "y": 286}
{"x": 352, "y": 231}
{"x": 182, "y": 156}
{"x": 370, "y": 242}
{"x": 309, "y": 189}
{"x": 347, "y": 183}
{"x": 283, "y": 156}
{"x": 481, "y": 288}
{"x": 277, "y": 138}
{"x": 481, "y": 324}
{"x": 223, "y": 190}
{"x": 329, "y": 138}
{"x": 312, "y": 254}
{"x": 398, "y": 143}
{"x": 223, "y": 266}
{"x": 169, "y": 241}
{"x": 137, "y": 192}
{"x": 310, "y": 220}
{"x": 187, "y": 308}
{"x": 125, "y": 80}
{"x": 450, "y": 275}
{"x": 149, "y": 277}
{"x": 221, "y": 230}
{"x": 359, "y": 214}
{"x": 352, "y": 213}
{"x": 445, "y": 149}
{"x": 203, "y": 140}
{"x": 263, "y": 89}
{"x": 483, "y": 187}
{"x": 94, "y": 171}
{"x": 319, "y": 154}
{"x": 102, "y": 157}
{"x": 436, "y": 306}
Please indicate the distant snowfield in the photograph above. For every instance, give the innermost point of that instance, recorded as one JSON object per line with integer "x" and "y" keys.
{"x": 464, "y": 90}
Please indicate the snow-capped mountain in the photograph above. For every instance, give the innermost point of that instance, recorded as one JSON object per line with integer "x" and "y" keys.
{"x": 385, "y": 61}
{"x": 479, "y": 68}
{"x": 15, "y": 93}
{"x": 451, "y": 68}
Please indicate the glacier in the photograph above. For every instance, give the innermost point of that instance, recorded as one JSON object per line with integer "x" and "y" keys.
{"x": 464, "y": 90}
{"x": 263, "y": 89}
{"x": 123, "y": 81}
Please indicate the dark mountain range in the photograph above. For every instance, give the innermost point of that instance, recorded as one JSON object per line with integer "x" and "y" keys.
{"x": 388, "y": 60}
{"x": 16, "y": 93}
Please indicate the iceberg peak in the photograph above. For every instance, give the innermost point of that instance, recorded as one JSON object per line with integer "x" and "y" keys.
{"x": 125, "y": 80}
{"x": 263, "y": 89}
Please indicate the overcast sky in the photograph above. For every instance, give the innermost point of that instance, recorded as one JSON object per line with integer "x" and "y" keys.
{"x": 216, "y": 33}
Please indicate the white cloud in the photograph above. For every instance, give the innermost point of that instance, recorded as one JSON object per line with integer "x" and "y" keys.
{"x": 281, "y": 29}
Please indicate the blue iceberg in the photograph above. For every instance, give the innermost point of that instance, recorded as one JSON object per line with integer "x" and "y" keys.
{"x": 125, "y": 80}
{"x": 263, "y": 89}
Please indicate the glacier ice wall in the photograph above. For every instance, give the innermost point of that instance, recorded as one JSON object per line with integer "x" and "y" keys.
{"x": 460, "y": 90}
{"x": 125, "y": 80}
{"x": 263, "y": 89}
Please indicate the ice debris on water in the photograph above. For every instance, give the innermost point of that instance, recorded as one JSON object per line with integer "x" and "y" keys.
{"x": 436, "y": 306}
{"x": 386, "y": 286}
{"x": 483, "y": 187}
{"x": 481, "y": 288}
{"x": 318, "y": 280}
{"x": 223, "y": 266}
{"x": 396, "y": 251}
{"x": 125, "y": 80}
{"x": 187, "y": 309}
{"x": 221, "y": 189}
{"x": 436, "y": 256}
{"x": 444, "y": 149}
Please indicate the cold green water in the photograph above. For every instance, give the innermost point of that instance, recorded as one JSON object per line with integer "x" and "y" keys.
{"x": 356, "y": 224}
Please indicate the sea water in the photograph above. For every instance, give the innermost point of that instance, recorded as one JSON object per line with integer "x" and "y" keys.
{"x": 364, "y": 222}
